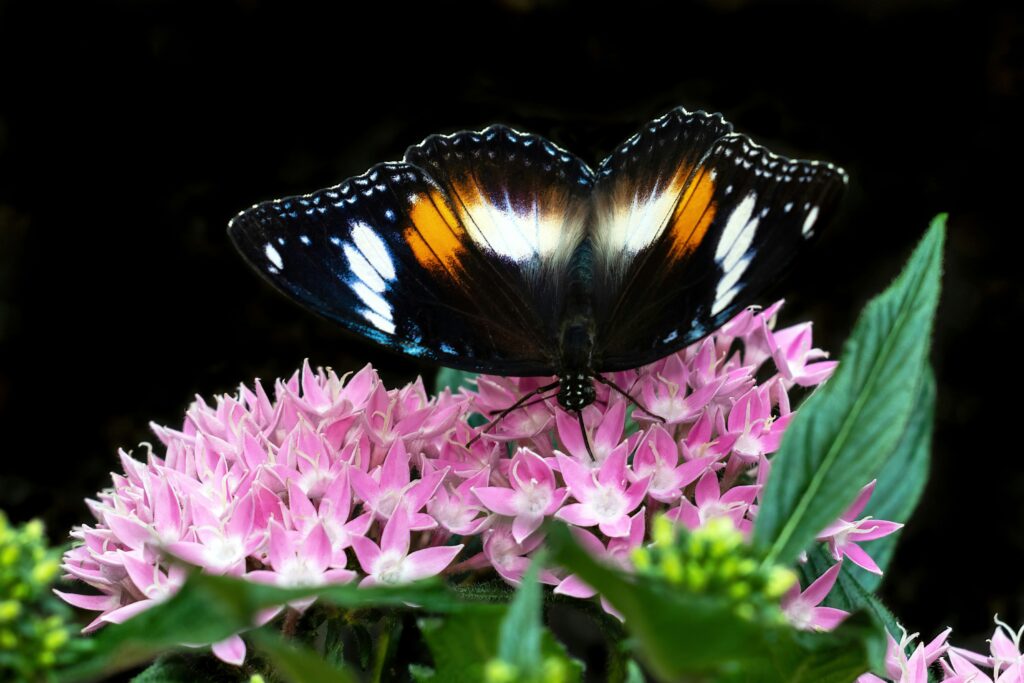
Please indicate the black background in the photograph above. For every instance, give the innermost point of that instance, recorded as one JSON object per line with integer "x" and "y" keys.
{"x": 131, "y": 132}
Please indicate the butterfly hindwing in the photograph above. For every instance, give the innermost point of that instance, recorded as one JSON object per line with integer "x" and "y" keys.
{"x": 727, "y": 225}
{"x": 407, "y": 256}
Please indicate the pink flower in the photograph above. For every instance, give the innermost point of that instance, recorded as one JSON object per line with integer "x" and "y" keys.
{"x": 532, "y": 495}
{"x": 751, "y": 423}
{"x": 791, "y": 350}
{"x": 289, "y": 482}
{"x": 298, "y": 559}
{"x": 603, "y": 440}
{"x": 457, "y": 509}
{"x": 605, "y": 497}
{"x": 913, "y": 669}
{"x": 393, "y": 482}
{"x": 391, "y": 563}
{"x": 509, "y": 557}
{"x": 843, "y": 536}
{"x": 802, "y": 610}
{"x": 1005, "y": 660}
{"x": 710, "y": 502}
{"x": 657, "y": 459}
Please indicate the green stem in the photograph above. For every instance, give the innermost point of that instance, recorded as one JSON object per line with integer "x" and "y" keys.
{"x": 380, "y": 656}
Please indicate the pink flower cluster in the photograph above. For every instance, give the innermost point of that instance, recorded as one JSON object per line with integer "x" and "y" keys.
{"x": 1004, "y": 663}
{"x": 340, "y": 479}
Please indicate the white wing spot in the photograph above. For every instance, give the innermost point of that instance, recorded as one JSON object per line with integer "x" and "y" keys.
{"x": 374, "y": 249}
{"x": 375, "y": 301}
{"x": 738, "y": 234}
{"x": 382, "y": 324}
{"x": 273, "y": 256}
{"x": 812, "y": 217}
{"x": 362, "y": 269}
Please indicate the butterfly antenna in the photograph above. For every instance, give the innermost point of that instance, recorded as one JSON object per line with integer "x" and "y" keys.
{"x": 523, "y": 402}
{"x": 610, "y": 384}
{"x": 586, "y": 439}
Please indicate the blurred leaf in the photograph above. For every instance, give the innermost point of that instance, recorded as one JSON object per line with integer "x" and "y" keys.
{"x": 298, "y": 664}
{"x": 682, "y": 635}
{"x": 209, "y": 608}
{"x": 520, "y": 633}
{"x": 463, "y": 644}
{"x": 847, "y": 429}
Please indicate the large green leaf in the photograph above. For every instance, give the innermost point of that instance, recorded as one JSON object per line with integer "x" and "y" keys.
{"x": 684, "y": 636}
{"x": 847, "y": 429}
{"x": 208, "y": 609}
{"x": 902, "y": 479}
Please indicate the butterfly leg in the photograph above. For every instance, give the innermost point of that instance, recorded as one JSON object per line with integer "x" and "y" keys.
{"x": 583, "y": 431}
{"x": 521, "y": 403}
{"x": 611, "y": 385}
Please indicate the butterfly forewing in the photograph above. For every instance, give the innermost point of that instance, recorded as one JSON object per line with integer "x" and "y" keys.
{"x": 524, "y": 204}
{"x": 725, "y": 226}
{"x": 462, "y": 270}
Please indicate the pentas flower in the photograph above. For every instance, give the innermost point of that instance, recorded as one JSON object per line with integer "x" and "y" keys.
{"x": 606, "y": 498}
{"x": 532, "y": 494}
{"x": 802, "y": 608}
{"x": 709, "y": 503}
{"x": 1004, "y": 658}
{"x": 902, "y": 668}
{"x": 391, "y": 562}
{"x": 844, "y": 535}
{"x": 325, "y": 479}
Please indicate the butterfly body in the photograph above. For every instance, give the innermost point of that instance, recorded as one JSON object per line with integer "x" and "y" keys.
{"x": 497, "y": 251}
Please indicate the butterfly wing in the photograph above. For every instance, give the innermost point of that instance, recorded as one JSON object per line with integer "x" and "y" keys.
{"x": 396, "y": 256}
{"x": 693, "y": 223}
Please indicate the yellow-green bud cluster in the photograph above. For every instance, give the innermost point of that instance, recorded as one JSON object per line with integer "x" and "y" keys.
{"x": 713, "y": 560}
{"x": 553, "y": 670}
{"x": 33, "y": 622}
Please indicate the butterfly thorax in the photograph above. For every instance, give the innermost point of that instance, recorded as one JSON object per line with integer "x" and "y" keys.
{"x": 576, "y": 336}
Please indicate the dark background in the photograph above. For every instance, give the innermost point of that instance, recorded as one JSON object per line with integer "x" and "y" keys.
{"x": 131, "y": 132}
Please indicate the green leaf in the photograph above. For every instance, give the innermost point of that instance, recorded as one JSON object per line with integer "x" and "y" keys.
{"x": 209, "y": 608}
{"x": 298, "y": 664}
{"x": 686, "y": 636}
{"x": 463, "y": 644}
{"x": 520, "y": 633}
{"x": 902, "y": 479}
{"x": 847, "y": 429}
{"x": 189, "y": 667}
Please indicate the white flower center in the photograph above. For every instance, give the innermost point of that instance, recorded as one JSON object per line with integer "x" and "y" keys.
{"x": 388, "y": 502}
{"x": 296, "y": 572}
{"x": 223, "y": 551}
{"x": 532, "y": 499}
{"x": 608, "y": 503}
{"x": 390, "y": 568}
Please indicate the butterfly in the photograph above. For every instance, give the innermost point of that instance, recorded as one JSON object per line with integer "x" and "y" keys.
{"x": 498, "y": 251}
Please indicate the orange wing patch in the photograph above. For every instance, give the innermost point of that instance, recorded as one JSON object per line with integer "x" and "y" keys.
{"x": 693, "y": 215}
{"x": 436, "y": 236}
